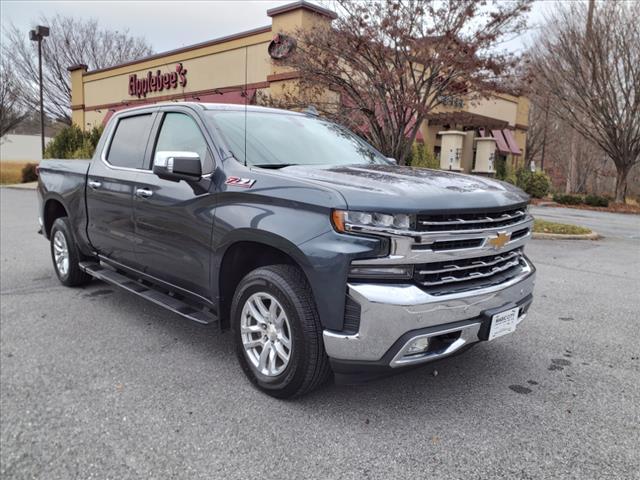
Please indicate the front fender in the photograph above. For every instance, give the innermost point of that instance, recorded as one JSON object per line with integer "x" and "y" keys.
{"x": 305, "y": 236}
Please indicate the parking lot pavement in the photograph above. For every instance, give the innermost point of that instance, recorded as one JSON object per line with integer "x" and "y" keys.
{"x": 96, "y": 383}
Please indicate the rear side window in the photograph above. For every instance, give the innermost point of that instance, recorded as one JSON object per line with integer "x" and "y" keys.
{"x": 129, "y": 141}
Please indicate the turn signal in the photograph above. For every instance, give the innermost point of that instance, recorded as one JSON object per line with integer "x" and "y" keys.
{"x": 337, "y": 218}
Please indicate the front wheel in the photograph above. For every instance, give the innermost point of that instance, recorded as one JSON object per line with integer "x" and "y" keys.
{"x": 66, "y": 256}
{"x": 278, "y": 333}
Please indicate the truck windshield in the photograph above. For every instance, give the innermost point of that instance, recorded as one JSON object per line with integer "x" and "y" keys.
{"x": 276, "y": 140}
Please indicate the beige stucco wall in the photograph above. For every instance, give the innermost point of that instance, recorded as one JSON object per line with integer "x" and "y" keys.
{"x": 213, "y": 66}
{"x": 496, "y": 107}
{"x": 522, "y": 117}
{"x": 466, "y": 162}
{"x": 219, "y": 70}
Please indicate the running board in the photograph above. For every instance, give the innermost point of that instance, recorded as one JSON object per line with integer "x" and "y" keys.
{"x": 167, "y": 301}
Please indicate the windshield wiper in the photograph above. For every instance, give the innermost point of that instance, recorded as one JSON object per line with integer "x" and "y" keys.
{"x": 274, "y": 166}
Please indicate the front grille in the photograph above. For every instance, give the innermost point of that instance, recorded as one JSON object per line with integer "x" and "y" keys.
{"x": 470, "y": 221}
{"x": 519, "y": 233}
{"x": 450, "y": 244}
{"x": 453, "y": 276}
{"x": 456, "y": 244}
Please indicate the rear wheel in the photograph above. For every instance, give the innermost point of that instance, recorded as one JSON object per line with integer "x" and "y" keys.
{"x": 278, "y": 333}
{"x": 66, "y": 256}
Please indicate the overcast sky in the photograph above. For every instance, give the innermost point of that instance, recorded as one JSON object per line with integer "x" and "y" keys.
{"x": 168, "y": 24}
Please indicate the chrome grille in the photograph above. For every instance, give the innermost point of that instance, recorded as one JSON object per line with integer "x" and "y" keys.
{"x": 470, "y": 221}
{"x": 467, "y": 274}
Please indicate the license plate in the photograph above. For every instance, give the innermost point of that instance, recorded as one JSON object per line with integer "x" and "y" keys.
{"x": 503, "y": 323}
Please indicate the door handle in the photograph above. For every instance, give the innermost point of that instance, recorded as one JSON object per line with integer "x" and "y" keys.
{"x": 94, "y": 184}
{"x": 143, "y": 192}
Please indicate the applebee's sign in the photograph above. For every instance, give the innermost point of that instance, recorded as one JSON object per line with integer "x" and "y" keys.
{"x": 157, "y": 82}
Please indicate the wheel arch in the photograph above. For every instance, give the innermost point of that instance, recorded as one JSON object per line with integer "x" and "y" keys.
{"x": 53, "y": 209}
{"x": 241, "y": 256}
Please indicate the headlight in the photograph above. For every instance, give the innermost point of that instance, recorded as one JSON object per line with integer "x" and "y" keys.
{"x": 347, "y": 221}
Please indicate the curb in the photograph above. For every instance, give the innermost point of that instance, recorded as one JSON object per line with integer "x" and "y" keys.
{"x": 22, "y": 186}
{"x": 559, "y": 236}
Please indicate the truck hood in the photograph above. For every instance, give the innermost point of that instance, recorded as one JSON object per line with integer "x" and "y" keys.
{"x": 390, "y": 188}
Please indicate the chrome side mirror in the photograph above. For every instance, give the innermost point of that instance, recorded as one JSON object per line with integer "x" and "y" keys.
{"x": 177, "y": 166}
{"x": 392, "y": 160}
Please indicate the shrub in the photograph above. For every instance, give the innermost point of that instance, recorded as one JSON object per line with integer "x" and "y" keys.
{"x": 502, "y": 169}
{"x": 71, "y": 142}
{"x": 523, "y": 175}
{"x": 422, "y": 157}
{"x": 536, "y": 184}
{"x": 29, "y": 173}
{"x": 566, "y": 199}
{"x": 596, "y": 201}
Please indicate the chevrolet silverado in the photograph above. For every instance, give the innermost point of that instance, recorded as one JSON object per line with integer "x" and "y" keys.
{"x": 319, "y": 254}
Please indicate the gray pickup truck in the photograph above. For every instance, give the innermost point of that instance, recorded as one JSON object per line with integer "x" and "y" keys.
{"x": 316, "y": 251}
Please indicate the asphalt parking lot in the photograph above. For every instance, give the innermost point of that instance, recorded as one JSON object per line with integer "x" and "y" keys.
{"x": 96, "y": 383}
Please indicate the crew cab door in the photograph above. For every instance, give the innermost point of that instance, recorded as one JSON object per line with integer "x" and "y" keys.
{"x": 174, "y": 219}
{"x": 110, "y": 187}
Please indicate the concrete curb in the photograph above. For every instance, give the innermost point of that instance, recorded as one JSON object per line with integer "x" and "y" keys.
{"x": 558, "y": 236}
{"x": 22, "y": 186}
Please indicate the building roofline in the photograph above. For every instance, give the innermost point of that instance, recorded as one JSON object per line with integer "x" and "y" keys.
{"x": 289, "y": 7}
{"x": 208, "y": 43}
{"x": 77, "y": 66}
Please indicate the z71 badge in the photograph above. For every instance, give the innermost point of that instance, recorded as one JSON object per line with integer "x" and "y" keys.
{"x": 240, "y": 182}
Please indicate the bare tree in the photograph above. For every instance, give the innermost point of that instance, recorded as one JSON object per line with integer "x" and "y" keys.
{"x": 537, "y": 135}
{"x": 11, "y": 114}
{"x": 589, "y": 65}
{"x": 383, "y": 66}
{"x": 73, "y": 41}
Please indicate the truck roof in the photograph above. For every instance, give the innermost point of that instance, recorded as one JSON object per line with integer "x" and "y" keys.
{"x": 217, "y": 106}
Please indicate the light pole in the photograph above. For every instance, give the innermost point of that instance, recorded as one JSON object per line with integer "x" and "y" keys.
{"x": 37, "y": 35}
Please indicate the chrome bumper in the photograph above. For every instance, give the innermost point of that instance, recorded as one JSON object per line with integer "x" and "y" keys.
{"x": 388, "y": 311}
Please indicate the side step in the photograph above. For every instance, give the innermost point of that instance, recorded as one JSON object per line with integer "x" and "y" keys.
{"x": 167, "y": 301}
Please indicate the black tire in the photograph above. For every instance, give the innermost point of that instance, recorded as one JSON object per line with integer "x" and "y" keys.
{"x": 73, "y": 277}
{"x": 308, "y": 365}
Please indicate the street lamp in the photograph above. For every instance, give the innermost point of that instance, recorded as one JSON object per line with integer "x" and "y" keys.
{"x": 37, "y": 35}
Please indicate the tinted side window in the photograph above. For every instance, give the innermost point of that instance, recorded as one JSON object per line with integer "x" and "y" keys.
{"x": 180, "y": 133}
{"x": 129, "y": 141}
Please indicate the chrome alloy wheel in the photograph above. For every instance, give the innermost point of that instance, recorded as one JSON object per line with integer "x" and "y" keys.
{"x": 61, "y": 253}
{"x": 266, "y": 334}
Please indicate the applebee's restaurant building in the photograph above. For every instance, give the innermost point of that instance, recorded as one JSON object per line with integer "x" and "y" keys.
{"x": 465, "y": 136}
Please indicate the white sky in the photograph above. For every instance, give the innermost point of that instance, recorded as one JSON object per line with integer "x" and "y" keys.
{"x": 167, "y": 25}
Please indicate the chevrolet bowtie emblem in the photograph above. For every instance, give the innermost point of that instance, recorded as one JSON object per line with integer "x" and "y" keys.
{"x": 499, "y": 240}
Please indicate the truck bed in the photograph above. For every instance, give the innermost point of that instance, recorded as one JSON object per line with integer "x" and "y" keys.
{"x": 66, "y": 180}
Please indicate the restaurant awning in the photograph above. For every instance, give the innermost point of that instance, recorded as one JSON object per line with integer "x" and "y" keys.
{"x": 501, "y": 143}
{"x": 511, "y": 141}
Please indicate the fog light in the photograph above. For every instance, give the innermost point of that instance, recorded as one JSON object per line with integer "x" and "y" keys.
{"x": 419, "y": 345}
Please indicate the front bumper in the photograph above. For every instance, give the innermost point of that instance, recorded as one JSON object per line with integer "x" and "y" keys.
{"x": 393, "y": 315}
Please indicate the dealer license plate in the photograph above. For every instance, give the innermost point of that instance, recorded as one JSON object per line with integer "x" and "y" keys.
{"x": 503, "y": 323}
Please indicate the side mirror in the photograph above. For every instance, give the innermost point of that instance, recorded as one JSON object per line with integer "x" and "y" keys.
{"x": 392, "y": 160}
{"x": 177, "y": 166}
